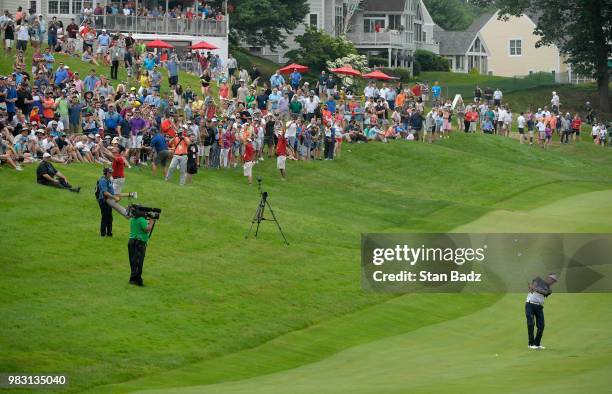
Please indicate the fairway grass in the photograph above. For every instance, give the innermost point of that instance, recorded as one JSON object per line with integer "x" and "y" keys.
{"x": 254, "y": 315}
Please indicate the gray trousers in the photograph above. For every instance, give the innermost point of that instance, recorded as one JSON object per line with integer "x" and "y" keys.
{"x": 179, "y": 162}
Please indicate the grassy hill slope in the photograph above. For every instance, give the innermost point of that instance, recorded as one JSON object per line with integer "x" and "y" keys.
{"x": 211, "y": 293}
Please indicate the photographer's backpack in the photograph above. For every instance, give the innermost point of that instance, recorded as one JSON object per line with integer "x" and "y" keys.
{"x": 97, "y": 190}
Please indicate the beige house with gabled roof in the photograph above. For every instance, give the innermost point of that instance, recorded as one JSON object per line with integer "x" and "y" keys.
{"x": 512, "y": 48}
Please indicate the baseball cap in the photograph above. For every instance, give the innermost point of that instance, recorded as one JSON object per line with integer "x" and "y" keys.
{"x": 106, "y": 170}
{"x": 553, "y": 276}
{"x": 46, "y": 155}
{"x": 115, "y": 140}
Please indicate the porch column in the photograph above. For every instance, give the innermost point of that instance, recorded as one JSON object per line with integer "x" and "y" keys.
{"x": 166, "y": 19}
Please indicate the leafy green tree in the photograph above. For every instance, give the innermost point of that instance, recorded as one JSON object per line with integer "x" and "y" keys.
{"x": 581, "y": 29}
{"x": 317, "y": 48}
{"x": 264, "y": 22}
{"x": 450, "y": 14}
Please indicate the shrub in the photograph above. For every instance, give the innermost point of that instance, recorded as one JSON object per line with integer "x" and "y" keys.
{"x": 429, "y": 61}
{"x": 402, "y": 73}
{"x": 416, "y": 67}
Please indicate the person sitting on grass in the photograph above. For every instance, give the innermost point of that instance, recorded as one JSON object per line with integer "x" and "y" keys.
{"x": 88, "y": 57}
{"x": 47, "y": 175}
{"x": 8, "y": 154}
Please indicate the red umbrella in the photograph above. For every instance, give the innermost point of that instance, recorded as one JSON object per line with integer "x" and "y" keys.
{"x": 293, "y": 66}
{"x": 346, "y": 70}
{"x": 204, "y": 45}
{"x": 378, "y": 75}
{"x": 159, "y": 44}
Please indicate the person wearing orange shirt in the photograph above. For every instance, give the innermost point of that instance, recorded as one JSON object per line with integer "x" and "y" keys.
{"x": 48, "y": 107}
{"x": 400, "y": 99}
{"x": 224, "y": 91}
{"x": 179, "y": 145}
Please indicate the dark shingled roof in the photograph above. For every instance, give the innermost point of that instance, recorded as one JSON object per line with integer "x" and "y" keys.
{"x": 454, "y": 42}
{"x": 481, "y": 21}
{"x": 384, "y": 5}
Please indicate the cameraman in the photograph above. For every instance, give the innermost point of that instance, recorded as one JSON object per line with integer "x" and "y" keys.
{"x": 538, "y": 290}
{"x": 140, "y": 229}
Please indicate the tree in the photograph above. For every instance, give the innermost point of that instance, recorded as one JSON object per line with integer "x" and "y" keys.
{"x": 357, "y": 62}
{"x": 264, "y": 22}
{"x": 450, "y": 14}
{"x": 581, "y": 29}
{"x": 318, "y": 47}
{"x": 351, "y": 6}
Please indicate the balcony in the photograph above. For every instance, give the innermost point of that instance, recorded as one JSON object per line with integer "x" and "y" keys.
{"x": 430, "y": 46}
{"x": 391, "y": 38}
{"x": 170, "y": 26}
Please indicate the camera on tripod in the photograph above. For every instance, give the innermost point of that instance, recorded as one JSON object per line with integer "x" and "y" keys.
{"x": 145, "y": 212}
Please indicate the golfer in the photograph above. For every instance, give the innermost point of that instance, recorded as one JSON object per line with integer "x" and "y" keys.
{"x": 539, "y": 289}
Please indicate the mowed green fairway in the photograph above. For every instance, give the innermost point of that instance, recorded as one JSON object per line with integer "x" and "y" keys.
{"x": 223, "y": 314}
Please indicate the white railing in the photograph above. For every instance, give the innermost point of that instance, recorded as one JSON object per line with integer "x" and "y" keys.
{"x": 159, "y": 25}
{"x": 384, "y": 38}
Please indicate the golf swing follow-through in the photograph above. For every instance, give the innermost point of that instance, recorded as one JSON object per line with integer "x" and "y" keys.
{"x": 539, "y": 289}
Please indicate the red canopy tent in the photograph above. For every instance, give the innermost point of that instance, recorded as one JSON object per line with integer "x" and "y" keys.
{"x": 204, "y": 45}
{"x": 293, "y": 66}
{"x": 346, "y": 70}
{"x": 378, "y": 75}
{"x": 159, "y": 44}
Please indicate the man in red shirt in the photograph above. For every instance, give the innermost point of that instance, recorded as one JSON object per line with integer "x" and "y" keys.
{"x": 168, "y": 127}
{"x": 416, "y": 90}
{"x": 249, "y": 155}
{"x": 119, "y": 163}
{"x": 281, "y": 153}
{"x": 576, "y": 125}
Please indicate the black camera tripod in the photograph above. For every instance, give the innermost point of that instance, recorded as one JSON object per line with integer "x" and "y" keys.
{"x": 259, "y": 214}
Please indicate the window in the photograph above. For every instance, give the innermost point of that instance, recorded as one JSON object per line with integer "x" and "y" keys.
{"x": 395, "y": 22}
{"x": 370, "y": 21}
{"x": 339, "y": 20}
{"x": 476, "y": 47}
{"x": 516, "y": 48}
{"x": 314, "y": 21}
{"x": 458, "y": 62}
{"x": 65, "y": 7}
{"x": 33, "y": 4}
{"x": 77, "y": 6}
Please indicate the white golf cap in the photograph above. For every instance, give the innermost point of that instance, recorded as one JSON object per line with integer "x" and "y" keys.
{"x": 46, "y": 155}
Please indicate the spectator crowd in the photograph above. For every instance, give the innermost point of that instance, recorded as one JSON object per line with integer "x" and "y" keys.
{"x": 52, "y": 114}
